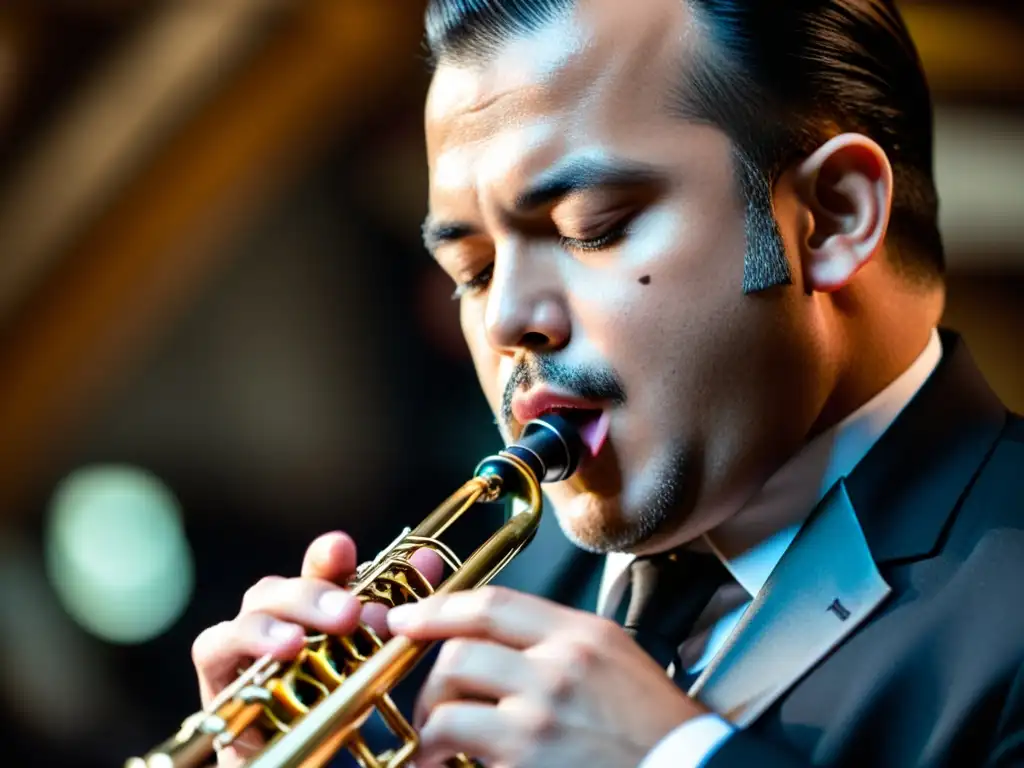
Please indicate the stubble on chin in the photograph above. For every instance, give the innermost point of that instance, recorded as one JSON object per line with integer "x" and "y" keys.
{"x": 598, "y": 525}
{"x": 604, "y": 524}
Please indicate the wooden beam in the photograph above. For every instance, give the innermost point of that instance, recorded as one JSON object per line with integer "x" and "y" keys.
{"x": 135, "y": 270}
{"x": 106, "y": 131}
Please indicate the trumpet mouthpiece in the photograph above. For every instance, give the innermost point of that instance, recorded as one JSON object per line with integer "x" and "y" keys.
{"x": 549, "y": 445}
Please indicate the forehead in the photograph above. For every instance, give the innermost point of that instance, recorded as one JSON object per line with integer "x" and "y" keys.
{"x": 597, "y": 79}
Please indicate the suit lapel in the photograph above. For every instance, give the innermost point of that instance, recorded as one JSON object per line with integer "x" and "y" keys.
{"x": 908, "y": 487}
{"x": 895, "y": 506}
{"x": 825, "y": 586}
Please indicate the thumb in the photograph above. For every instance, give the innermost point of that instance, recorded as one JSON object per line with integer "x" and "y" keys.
{"x": 331, "y": 557}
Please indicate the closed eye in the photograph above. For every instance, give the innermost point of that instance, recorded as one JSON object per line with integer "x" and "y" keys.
{"x": 483, "y": 278}
{"x": 479, "y": 281}
{"x": 606, "y": 240}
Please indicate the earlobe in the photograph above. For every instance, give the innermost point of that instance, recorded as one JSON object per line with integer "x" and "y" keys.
{"x": 846, "y": 186}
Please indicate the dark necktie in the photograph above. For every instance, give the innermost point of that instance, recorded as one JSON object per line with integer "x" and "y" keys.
{"x": 668, "y": 594}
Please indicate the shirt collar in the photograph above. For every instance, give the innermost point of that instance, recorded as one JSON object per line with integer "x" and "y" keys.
{"x": 752, "y": 542}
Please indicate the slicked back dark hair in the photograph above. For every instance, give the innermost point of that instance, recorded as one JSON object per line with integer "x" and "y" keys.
{"x": 780, "y": 77}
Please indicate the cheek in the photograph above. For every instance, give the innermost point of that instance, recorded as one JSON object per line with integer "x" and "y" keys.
{"x": 679, "y": 290}
{"x": 626, "y": 299}
{"x": 485, "y": 361}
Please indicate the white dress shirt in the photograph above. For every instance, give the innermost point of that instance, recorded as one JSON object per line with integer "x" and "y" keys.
{"x": 752, "y": 542}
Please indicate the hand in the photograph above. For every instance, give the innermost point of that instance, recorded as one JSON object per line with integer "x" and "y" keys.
{"x": 276, "y": 614}
{"x": 522, "y": 681}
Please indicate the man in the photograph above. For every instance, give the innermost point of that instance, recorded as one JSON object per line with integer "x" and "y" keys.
{"x": 709, "y": 226}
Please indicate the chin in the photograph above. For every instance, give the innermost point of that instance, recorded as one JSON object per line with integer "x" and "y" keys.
{"x": 597, "y": 523}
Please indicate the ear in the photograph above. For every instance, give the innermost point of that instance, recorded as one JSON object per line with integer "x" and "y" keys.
{"x": 846, "y": 186}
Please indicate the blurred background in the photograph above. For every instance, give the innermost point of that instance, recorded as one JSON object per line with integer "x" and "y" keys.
{"x": 220, "y": 335}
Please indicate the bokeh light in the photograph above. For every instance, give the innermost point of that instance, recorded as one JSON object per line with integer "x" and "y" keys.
{"x": 117, "y": 554}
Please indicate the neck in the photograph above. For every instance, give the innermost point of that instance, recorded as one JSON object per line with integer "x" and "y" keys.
{"x": 878, "y": 345}
{"x": 875, "y": 340}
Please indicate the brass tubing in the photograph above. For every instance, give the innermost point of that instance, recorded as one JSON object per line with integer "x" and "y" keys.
{"x": 383, "y": 670}
{"x": 350, "y": 702}
{"x": 308, "y": 736}
{"x": 452, "y": 508}
{"x": 193, "y": 753}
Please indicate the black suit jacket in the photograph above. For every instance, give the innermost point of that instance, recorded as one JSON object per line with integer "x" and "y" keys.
{"x": 935, "y": 676}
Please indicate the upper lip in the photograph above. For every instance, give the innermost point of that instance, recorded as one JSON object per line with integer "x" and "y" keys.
{"x": 536, "y": 402}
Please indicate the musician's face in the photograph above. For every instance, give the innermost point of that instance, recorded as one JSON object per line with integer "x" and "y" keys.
{"x": 627, "y": 290}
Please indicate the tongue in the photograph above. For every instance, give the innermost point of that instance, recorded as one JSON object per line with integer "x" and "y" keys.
{"x": 593, "y": 428}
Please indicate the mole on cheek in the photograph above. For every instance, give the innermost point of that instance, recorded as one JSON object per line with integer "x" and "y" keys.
{"x": 645, "y": 280}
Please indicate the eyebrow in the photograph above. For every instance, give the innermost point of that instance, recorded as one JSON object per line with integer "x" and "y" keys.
{"x": 580, "y": 175}
{"x": 437, "y": 234}
{"x": 573, "y": 176}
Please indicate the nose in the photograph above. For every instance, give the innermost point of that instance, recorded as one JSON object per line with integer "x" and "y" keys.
{"x": 526, "y": 304}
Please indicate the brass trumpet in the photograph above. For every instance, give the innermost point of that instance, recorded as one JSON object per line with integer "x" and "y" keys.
{"x": 315, "y": 705}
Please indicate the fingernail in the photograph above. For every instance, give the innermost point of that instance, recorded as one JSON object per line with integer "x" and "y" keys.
{"x": 335, "y": 602}
{"x": 280, "y": 631}
{"x": 402, "y": 617}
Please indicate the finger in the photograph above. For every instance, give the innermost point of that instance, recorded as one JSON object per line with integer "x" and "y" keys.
{"x": 316, "y": 604}
{"x": 493, "y": 613}
{"x": 331, "y": 557}
{"x": 472, "y": 728}
{"x": 247, "y": 744}
{"x": 375, "y": 617}
{"x": 472, "y": 669}
{"x": 219, "y": 651}
{"x": 429, "y": 563}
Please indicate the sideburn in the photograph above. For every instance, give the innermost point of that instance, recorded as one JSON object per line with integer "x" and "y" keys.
{"x": 765, "y": 264}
